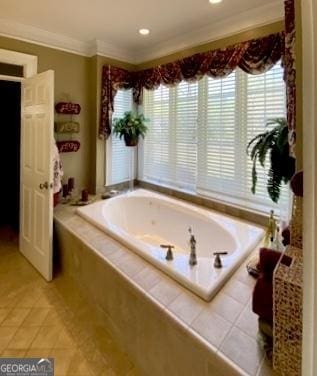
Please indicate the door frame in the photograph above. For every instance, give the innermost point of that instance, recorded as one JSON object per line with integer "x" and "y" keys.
{"x": 309, "y": 30}
{"x": 29, "y": 63}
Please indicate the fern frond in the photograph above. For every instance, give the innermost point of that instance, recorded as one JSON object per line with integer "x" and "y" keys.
{"x": 275, "y": 176}
{"x": 268, "y": 140}
{"x": 252, "y": 141}
{"x": 282, "y": 140}
{"x": 282, "y": 166}
{"x": 254, "y": 176}
{"x": 281, "y": 122}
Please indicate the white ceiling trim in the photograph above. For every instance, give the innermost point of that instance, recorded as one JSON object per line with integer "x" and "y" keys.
{"x": 261, "y": 16}
{"x": 244, "y": 21}
{"x": 42, "y": 37}
{"x": 61, "y": 42}
{"x": 103, "y": 48}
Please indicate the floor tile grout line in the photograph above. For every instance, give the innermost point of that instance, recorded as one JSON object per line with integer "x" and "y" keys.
{"x": 5, "y": 316}
{"x": 9, "y": 348}
{"x": 220, "y": 347}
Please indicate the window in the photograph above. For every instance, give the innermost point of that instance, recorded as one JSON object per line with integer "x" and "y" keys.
{"x": 198, "y": 133}
{"x": 170, "y": 147}
{"x": 117, "y": 154}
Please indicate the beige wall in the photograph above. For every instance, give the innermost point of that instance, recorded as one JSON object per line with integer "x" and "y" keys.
{"x": 71, "y": 82}
{"x": 220, "y": 43}
{"x": 78, "y": 78}
{"x": 100, "y": 147}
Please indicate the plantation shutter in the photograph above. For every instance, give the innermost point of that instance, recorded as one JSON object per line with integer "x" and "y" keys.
{"x": 265, "y": 99}
{"x": 234, "y": 110}
{"x": 170, "y": 147}
{"x": 198, "y": 134}
{"x": 117, "y": 154}
{"x": 217, "y": 136}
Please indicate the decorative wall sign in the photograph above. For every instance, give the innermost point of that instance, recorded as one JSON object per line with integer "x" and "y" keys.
{"x": 68, "y": 146}
{"x": 67, "y": 127}
{"x": 67, "y": 108}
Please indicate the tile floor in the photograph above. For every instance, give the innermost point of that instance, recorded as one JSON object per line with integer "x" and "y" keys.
{"x": 34, "y": 322}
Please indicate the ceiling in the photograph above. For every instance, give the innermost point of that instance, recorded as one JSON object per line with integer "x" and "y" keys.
{"x": 112, "y": 25}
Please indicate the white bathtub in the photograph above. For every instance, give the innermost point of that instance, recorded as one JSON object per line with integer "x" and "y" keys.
{"x": 143, "y": 220}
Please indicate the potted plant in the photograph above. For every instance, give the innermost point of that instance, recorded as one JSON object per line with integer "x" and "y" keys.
{"x": 282, "y": 165}
{"x": 130, "y": 127}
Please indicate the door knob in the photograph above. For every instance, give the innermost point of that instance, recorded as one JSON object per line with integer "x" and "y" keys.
{"x": 46, "y": 185}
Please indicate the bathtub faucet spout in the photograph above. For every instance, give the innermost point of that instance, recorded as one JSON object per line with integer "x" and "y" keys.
{"x": 192, "y": 242}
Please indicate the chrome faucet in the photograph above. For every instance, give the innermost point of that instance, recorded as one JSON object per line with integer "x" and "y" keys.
{"x": 192, "y": 242}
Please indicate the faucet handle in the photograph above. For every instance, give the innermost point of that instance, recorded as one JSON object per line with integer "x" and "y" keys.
{"x": 190, "y": 230}
{"x": 167, "y": 246}
{"x": 169, "y": 254}
{"x": 217, "y": 262}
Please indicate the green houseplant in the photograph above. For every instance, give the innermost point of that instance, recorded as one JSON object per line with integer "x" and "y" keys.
{"x": 130, "y": 127}
{"x": 282, "y": 166}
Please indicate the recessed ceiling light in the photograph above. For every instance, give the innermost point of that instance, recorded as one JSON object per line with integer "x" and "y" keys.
{"x": 215, "y": 1}
{"x": 144, "y": 31}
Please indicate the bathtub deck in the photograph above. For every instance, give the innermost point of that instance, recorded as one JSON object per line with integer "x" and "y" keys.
{"x": 226, "y": 325}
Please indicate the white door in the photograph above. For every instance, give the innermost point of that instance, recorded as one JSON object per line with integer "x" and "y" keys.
{"x": 36, "y": 186}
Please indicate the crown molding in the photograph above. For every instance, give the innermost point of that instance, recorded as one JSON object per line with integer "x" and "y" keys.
{"x": 245, "y": 21}
{"x": 61, "y": 42}
{"x": 105, "y": 49}
{"x": 263, "y": 15}
{"x": 42, "y": 37}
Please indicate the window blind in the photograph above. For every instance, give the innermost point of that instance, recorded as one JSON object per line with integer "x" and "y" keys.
{"x": 217, "y": 167}
{"x": 170, "y": 147}
{"x": 117, "y": 154}
{"x": 198, "y": 133}
{"x": 265, "y": 99}
{"x": 236, "y": 109}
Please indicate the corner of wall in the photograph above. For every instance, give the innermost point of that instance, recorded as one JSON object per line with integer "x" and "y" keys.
{"x": 299, "y": 86}
{"x": 92, "y": 85}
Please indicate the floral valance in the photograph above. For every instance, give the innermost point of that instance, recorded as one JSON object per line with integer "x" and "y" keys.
{"x": 290, "y": 70}
{"x": 253, "y": 56}
{"x": 113, "y": 79}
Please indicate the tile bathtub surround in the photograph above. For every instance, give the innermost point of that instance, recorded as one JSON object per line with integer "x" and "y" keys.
{"x": 35, "y": 322}
{"x": 135, "y": 301}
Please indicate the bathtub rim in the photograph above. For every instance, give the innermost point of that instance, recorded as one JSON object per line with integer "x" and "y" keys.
{"x": 165, "y": 267}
